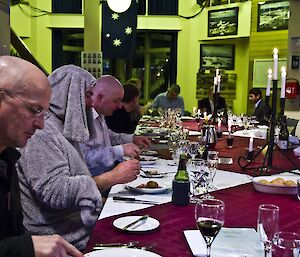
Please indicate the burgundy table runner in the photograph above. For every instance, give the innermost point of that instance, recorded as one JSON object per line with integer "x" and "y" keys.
{"x": 241, "y": 205}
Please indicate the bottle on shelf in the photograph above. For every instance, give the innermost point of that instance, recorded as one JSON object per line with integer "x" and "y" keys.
{"x": 283, "y": 134}
{"x": 181, "y": 183}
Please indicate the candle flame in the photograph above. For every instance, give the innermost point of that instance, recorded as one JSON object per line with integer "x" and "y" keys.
{"x": 270, "y": 71}
{"x": 283, "y": 70}
{"x": 275, "y": 51}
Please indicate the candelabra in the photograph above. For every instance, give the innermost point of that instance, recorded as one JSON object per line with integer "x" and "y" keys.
{"x": 267, "y": 163}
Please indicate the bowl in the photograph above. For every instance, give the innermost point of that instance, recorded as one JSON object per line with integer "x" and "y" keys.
{"x": 275, "y": 189}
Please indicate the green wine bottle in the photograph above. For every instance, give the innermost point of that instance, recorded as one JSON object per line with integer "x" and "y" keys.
{"x": 181, "y": 183}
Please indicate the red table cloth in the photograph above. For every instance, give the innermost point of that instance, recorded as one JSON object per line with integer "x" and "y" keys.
{"x": 241, "y": 206}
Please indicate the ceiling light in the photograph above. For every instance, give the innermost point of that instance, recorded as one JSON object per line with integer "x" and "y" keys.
{"x": 119, "y": 5}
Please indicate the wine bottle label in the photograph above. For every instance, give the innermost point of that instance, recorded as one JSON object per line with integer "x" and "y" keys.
{"x": 283, "y": 144}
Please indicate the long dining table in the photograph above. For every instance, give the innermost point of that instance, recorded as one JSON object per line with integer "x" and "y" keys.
{"x": 241, "y": 205}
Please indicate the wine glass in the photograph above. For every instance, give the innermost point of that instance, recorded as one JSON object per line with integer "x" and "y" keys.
{"x": 286, "y": 244}
{"x": 196, "y": 169}
{"x": 212, "y": 164}
{"x": 193, "y": 149}
{"x": 267, "y": 225}
{"x": 202, "y": 145}
{"x": 210, "y": 216}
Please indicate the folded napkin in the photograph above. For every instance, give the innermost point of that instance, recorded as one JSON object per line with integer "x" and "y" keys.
{"x": 194, "y": 133}
{"x": 230, "y": 242}
{"x": 294, "y": 140}
{"x": 297, "y": 151}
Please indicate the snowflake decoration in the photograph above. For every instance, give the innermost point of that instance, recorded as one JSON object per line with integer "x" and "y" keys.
{"x": 128, "y": 30}
{"x": 117, "y": 42}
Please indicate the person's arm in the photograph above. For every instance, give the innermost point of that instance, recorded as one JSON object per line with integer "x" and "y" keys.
{"x": 123, "y": 173}
{"x": 45, "y": 163}
{"x": 155, "y": 103}
{"x": 181, "y": 106}
{"x": 119, "y": 138}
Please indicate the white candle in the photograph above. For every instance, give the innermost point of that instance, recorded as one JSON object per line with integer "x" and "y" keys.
{"x": 283, "y": 78}
{"x": 275, "y": 57}
{"x": 269, "y": 82}
{"x": 219, "y": 83}
{"x": 250, "y": 147}
{"x": 217, "y": 72}
{"x": 219, "y": 124}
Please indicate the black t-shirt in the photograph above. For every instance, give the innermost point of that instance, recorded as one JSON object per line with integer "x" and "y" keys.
{"x": 120, "y": 122}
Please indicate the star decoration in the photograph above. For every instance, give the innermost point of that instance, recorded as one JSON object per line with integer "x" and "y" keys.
{"x": 107, "y": 35}
{"x": 115, "y": 16}
{"x": 128, "y": 30}
{"x": 117, "y": 42}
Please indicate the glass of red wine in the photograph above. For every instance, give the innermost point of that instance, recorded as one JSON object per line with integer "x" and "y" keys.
{"x": 210, "y": 216}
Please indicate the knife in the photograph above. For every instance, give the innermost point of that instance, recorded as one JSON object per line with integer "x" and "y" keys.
{"x": 135, "y": 222}
{"x": 133, "y": 200}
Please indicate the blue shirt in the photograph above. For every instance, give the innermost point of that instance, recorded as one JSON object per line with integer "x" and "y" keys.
{"x": 162, "y": 101}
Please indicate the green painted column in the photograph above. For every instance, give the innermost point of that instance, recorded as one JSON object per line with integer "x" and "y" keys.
{"x": 92, "y": 25}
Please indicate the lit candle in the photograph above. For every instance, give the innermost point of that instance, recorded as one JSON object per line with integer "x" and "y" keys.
{"x": 269, "y": 82}
{"x": 194, "y": 111}
{"x": 250, "y": 147}
{"x": 275, "y": 57}
{"x": 205, "y": 116}
{"x": 219, "y": 125}
{"x": 217, "y": 72}
{"x": 219, "y": 83}
{"x": 215, "y": 83}
{"x": 283, "y": 78}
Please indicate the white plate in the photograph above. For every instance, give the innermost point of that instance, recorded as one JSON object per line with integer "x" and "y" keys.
{"x": 152, "y": 175}
{"x": 121, "y": 252}
{"x": 158, "y": 190}
{"x": 187, "y": 118}
{"x": 147, "y": 160}
{"x": 146, "y": 225}
{"x": 275, "y": 189}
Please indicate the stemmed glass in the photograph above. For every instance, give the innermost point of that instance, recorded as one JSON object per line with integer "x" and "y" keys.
{"x": 193, "y": 149}
{"x": 196, "y": 169}
{"x": 202, "y": 144}
{"x": 212, "y": 164}
{"x": 210, "y": 216}
{"x": 267, "y": 225}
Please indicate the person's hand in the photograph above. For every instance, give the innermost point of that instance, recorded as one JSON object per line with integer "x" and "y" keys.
{"x": 131, "y": 150}
{"x": 53, "y": 246}
{"x": 141, "y": 141}
{"x": 127, "y": 171}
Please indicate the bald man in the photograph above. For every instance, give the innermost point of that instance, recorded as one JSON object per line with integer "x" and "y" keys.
{"x": 108, "y": 147}
{"x": 24, "y": 98}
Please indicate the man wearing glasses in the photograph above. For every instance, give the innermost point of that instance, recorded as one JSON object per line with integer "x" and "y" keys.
{"x": 24, "y": 98}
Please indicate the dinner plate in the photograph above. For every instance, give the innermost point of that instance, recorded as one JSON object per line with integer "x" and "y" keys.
{"x": 147, "y": 175}
{"x": 275, "y": 189}
{"x": 147, "y": 160}
{"x": 157, "y": 190}
{"x": 187, "y": 118}
{"x": 146, "y": 225}
{"x": 121, "y": 252}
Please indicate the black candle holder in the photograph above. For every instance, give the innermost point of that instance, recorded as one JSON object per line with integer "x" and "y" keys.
{"x": 267, "y": 163}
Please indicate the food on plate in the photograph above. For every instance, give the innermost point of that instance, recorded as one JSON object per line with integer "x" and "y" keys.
{"x": 150, "y": 184}
{"x": 278, "y": 182}
{"x": 152, "y": 172}
{"x": 144, "y": 159}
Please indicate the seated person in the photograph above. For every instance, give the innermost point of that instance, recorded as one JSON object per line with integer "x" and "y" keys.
{"x": 169, "y": 99}
{"x": 24, "y": 98}
{"x": 58, "y": 194}
{"x": 207, "y": 104}
{"x": 108, "y": 147}
{"x": 261, "y": 109}
{"x": 120, "y": 121}
{"x": 140, "y": 110}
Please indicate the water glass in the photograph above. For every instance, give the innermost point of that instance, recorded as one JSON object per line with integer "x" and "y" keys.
{"x": 286, "y": 244}
{"x": 230, "y": 141}
{"x": 267, "y": 225}
{"x": 212, "y": 164}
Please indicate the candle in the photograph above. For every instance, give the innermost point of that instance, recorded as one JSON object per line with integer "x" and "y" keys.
{"x": 219, "y": 83}
{"x": 283, "y": 78}
{"x": 219, "y": 124}
{"x": 194, "y": 111}
{"x": 275, "y": 57}
{"x": 217, "y": 72}
{"x": 269, "y": 82}
{"x": 250, "y": 147}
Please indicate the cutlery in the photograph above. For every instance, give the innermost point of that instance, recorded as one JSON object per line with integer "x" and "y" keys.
{"x": 133, "y": 200}
{"x": 112, "y": 245}
{"x": 145, "y": 217}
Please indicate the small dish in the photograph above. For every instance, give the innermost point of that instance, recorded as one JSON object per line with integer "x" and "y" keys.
{"x": 145, "y": 225}
{"x": 275, "y": 189}
{"x": 121, "y": 252}
{"x": 147, "y": 160}
{"x": 147, "y": 190}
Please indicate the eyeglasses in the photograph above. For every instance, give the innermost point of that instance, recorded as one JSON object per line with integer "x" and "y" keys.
{"x": 35, "y": 111}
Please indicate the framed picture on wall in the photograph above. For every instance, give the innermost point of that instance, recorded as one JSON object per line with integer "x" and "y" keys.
{"x": 273, "y": 15}
{"x": 223, "y": 22}
{"x": 217, "y": 56}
